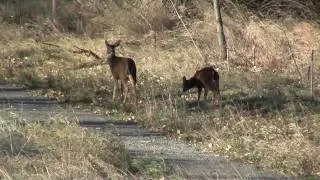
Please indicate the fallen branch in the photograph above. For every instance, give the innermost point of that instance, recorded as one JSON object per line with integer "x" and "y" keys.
{"x": 87, "y": 52}
{"x": 79, "y": 50}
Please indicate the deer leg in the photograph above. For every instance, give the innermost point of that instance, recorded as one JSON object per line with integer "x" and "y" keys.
{"x": 218, "y": 96}
{"x": 205, "y": 94}
{"x": 125, "y": 85}
{"x": 135, "y": 92}
{"x": 115, "y": 84}
{"x": 216, "y": 91}
{"x": 121, "y": 89}
{"x": 199, "y": 94}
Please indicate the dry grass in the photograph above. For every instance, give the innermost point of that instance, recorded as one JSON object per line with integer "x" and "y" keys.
{"x": 266, "y": 116}
{"x": 273, "y": 127}
{"x": 59, "y": 148}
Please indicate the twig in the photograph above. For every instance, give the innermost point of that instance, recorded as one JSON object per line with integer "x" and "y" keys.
{"x": 187, "y": 30}
{"x": 50, "y": 44}
{"x": 292, "y": 55}
{"x": 5, "y": 174}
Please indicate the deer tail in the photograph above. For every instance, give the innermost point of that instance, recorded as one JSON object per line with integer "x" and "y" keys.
{"x": 132, "y": 70}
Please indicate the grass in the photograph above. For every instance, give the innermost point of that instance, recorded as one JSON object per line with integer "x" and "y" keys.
{"x": 265, "y": 121}
{"x": 266, "y": 116}
{"x": 56, "y": 149}
{"x": 150, "y": 167}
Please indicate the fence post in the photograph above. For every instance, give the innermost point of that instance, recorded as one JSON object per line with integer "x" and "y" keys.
{"x": 254, "y": 55}
{"x": 311, "y": 73}
{"x": 155, "y": 39}
{"x": 228, "y": 63}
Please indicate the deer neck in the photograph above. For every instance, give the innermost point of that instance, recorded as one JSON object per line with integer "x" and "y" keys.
{"x": 111, "y": 56}
{"x": 193, "y": 82}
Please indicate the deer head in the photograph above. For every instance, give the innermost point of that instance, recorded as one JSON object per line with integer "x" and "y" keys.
{"x": 111, "y": 47}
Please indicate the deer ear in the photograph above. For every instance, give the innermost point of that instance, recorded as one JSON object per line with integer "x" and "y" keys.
{"x": 106, "y": 42}
{"x": 184, "y": 78}
{"x": 117, "y": 43}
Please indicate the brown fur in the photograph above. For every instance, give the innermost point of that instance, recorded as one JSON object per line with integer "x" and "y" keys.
{"x": 120, "y": 68}
{"x": 206, "y": 78}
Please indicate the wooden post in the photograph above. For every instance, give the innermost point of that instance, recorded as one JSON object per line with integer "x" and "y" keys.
{"x": 254, "y": 55}
{"x": 311, "y": 73}
{"x": 155, "y": 40}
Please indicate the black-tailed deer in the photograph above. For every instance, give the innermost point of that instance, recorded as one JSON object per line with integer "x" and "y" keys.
{"x": 206, "y": 78}
{"x": 120, "y": 68}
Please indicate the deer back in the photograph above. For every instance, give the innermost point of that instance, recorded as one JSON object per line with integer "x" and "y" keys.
{"x": 208, "y": 77}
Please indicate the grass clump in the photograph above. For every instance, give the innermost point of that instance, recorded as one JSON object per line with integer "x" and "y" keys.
{"x": 56, "y": 149}
{"x": 150, "y": 167}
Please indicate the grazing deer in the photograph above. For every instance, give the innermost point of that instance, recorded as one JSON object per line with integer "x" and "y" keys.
{"x": 206, "y": 78}
{"x": 120, "y": 68}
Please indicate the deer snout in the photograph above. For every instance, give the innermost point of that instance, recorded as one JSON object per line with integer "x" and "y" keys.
{"x": 181, "y": 93}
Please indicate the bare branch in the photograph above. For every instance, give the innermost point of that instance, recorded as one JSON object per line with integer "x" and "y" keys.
{"x": 79, "y": 50}
{"x": 87, "y": 52}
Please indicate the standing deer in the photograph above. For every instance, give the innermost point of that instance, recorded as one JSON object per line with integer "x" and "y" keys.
{"x": 120, "y": 68}
{"x": 206, "y": 78}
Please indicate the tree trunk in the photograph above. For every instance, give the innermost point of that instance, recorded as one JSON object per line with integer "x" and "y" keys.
{"x": 54, "y": 15}
{"x": 220, "y": 32}
{"x": 54, "y": 10}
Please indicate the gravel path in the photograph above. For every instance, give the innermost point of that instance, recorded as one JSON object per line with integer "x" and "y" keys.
{"x": 185, "y": 160}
